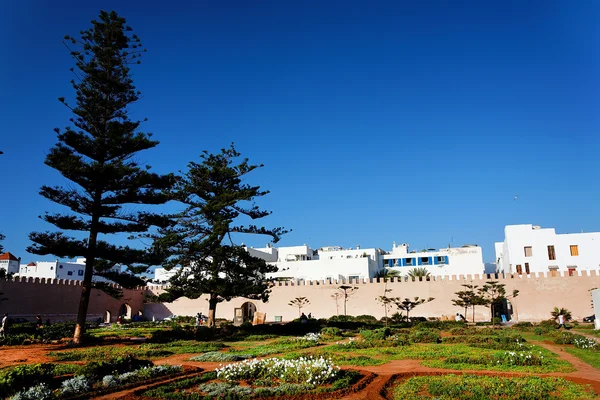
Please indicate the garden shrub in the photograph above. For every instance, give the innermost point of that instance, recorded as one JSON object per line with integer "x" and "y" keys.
{"x": 17, "y": 339}
{"x": 38, "y": 392}
{"x": 541, "y": 330}
{"x": 425, "y": 336}
{"x": 525, "y": 326}
{"x": 170, "y": 335}
{"x": 204, "y": 333}
{"x": 25, "y": 375}
{"x": 331, "y": 332}
{"x": 96, "y": 370}
{"x": 365, "y": 318}
{"x": 341, "y": 318}
{"x": 74, "y": 386}
{"x": 376, "y": 334}
{"x": 549, "y": 324}
{"x": 256, "y": 338}
{"x": 398, "y": 339}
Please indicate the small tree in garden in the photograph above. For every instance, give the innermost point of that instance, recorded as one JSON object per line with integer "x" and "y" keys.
{"x": 336, "y": 296}
{"x": 347, "y": 291}
{"x": 387, "y": 303}
{"x": 408, "y": 304}
{"x": 561, "y": 311}
{"x": 494, "y": 293}
{"x": 419, "y": 273}
{"x": 299, "y": 302}
{"x": 469, "y": 298}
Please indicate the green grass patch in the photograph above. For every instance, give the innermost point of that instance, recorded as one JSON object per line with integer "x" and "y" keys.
{"x": 471, "y": 387}
{"x": 458, "y": 356}
{"x": 590, "y": 357}
{"x": 277, "y": 347}
{"x": 146, "y": 351}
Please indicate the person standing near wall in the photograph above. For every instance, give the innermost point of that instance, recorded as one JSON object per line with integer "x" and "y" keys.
{"x": 39, "y": 327}
{"x": 561, "y": 321}
{"x": 4, "y": 327}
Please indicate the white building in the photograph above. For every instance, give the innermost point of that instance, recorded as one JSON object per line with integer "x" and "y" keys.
{"x": 465, "y": 260}
{"x": 528, "y": 248}
{"x": 9, "y": 263}
{"x": 334, "y": 262}
{"x": 58, "y": 270}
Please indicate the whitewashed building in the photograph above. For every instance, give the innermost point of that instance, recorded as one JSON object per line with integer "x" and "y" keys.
{"x": 465, "y": 260}
{"x": 9, "y": 263}
{"x": 58, "y": 270}
{"x": 531, "y": 249}
{"x": 334, "y": 262}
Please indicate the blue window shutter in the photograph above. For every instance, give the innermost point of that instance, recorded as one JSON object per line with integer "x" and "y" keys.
{"x": 446, "y": 259}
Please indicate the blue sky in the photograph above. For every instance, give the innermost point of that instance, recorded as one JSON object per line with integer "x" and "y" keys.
{"x": 405, "y": 121}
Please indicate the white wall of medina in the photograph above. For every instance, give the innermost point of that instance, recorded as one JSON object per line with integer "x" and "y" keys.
{"x": 528, "y": 249}
{"x": 323, "y": 269}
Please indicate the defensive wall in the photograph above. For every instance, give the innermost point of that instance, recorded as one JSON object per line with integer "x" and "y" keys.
{"x": 538, "y": 295}
{"x": 58, "y": 300}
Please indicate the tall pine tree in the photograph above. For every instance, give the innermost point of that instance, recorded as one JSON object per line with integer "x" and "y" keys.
{"x": 200, "y": 243}
{"x": 96, "y": 156}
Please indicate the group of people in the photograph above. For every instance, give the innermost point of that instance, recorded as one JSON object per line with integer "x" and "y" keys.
{"x": 304, "y": 318}
{"x": 200, "y": 319}
{"x": 39, "y": 326}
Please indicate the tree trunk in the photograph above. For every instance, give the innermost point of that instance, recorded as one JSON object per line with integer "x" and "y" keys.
{"x": 345, "y": 301}
{"x": 212, "y": 311}
{"x": 86, "y": 286}
{"x": 473, "y": 313}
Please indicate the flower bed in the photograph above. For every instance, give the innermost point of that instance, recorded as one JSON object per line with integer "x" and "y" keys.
{"x": 273, "y": 377}
{"x": 80, "y": 386}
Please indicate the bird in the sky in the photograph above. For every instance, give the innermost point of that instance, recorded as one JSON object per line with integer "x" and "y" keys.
{"x": 516, "y": 197}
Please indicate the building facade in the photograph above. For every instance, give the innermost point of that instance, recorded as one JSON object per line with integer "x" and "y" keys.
{"x": 9, "y": 263}
{"x": 58, "y": 270}
{"x": 528, "y": 249}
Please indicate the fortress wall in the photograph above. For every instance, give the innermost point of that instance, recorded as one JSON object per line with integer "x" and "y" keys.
{"x": 58, "y": 299}
{"x": 538, "y": 295}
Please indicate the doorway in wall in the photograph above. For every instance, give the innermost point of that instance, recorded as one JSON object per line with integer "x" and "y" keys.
{"x": 125, "y": 310}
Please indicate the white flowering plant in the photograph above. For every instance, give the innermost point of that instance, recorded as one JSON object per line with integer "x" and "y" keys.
{"x": 308, "y": 370}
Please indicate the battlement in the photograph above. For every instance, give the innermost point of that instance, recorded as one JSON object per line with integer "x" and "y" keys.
{"x": 51, "y": 281}
{"x": 476, "y": 279}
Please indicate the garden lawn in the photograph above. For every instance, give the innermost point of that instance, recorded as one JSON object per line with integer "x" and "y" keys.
{"x": 471, "y": 387}
{"x": 457, "y": 356}
{"x": 146, "y": 351}
{"x": 590, "y": 357}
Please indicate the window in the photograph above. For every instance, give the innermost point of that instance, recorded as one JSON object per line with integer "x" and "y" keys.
{"x": 80, "y": 272}
{"x": 69, "y": 273}
{"x": 60, "y": 267}
{"x": 51, "y": 268}
{"x": 527, "y": 268}
{"x": 519, "y": 269}
{"x": 574, "y": 250}
{"x": 528, "y": 251}
{"x": 551, "y": 253}
{"x": 571, "y": 270}
{"x": 441, "y": 259}
{"x": 553, "y": 273}
{"x": 409, "y": 262}
{"x": 424, "y": 260}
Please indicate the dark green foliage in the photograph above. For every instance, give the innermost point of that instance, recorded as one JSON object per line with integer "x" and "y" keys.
{"x": 365, "y": 318}
{"x": 346, "y": 379}
{"x": 425, "y": 336}
{"x": 215, "y": 198}
{"x": 171, "y": 335}
{"x": 494, "y": 293}
{"x": 95, "y": 370}
{"x": 523, "y": 326}
{"x": 407, "y": 305}
{"x": 22, "y": 376}
{"x": 377, "y": 334}
{"x": 331, "y": 332}
{"x": 342, "y": 318}
{"x": 97, "y": 155}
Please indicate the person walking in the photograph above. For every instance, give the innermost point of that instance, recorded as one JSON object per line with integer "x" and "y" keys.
{"x": 4, "y": 326}
{"x": 39, "y": 327}
{"x": 561, "y": 321}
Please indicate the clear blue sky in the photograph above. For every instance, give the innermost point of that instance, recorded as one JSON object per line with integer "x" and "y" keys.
{"x": 406, "y": 121}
